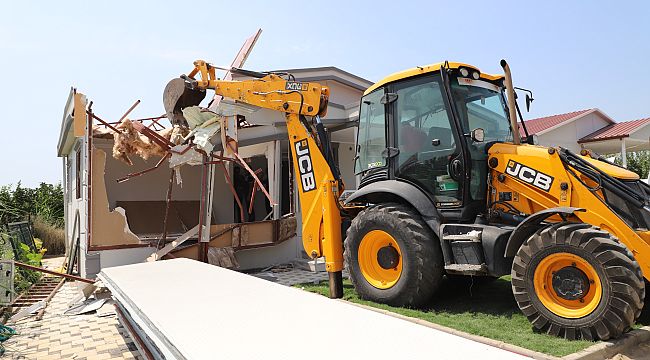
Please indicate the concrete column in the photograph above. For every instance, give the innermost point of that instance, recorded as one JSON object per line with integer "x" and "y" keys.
{"x": 623, "y": 153}
{"x": 274, "y": 167}
{"x": 277, "y": 178}
{"x": 207, "y": 196}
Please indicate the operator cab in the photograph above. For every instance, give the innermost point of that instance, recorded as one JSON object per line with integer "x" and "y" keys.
{"x": 432, "y": 129}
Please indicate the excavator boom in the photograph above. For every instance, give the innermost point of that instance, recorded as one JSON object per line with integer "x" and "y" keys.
{"x": 319, "y": 185}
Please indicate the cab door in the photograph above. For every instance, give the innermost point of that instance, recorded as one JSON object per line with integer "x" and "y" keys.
{"x": 429, "y": 155}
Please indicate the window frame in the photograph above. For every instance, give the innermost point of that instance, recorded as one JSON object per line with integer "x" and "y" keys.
{"x": 387, "y": 141}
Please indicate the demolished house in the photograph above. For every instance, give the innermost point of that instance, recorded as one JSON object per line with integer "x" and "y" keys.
{"x": 138, "y": 189}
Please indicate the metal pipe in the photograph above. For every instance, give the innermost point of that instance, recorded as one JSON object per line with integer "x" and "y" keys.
{"x": 169, "y": 200}
{"x": 128, "y": 111}
{"x": 131, "y": 175}
{"x": 336, "y": 284}
{"x": 67, "y": 276}
{"x": 234, "y": 193}
{"x": 512, "y": 107}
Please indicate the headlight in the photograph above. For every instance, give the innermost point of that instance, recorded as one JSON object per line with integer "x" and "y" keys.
{"x": 464, "y": 72}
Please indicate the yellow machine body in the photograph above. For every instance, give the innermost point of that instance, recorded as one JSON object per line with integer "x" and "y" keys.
{"x": 542, "y": 164}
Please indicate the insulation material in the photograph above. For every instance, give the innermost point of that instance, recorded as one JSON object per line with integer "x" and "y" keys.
{"x": 223, "y": 257}
{"x": 204, "y": 124}
{"x": 108, "y": 227}
{"x": 130, "y": 142}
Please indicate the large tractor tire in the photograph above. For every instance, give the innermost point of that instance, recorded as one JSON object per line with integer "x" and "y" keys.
{"x": 393, "y": 257}
{"x": 576, "y": 281}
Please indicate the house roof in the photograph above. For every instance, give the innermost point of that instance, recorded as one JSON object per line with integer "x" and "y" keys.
{"x": 539, "y": 125}
{"x": 66, "y": 137}
{"x": 616, "y": 131}
{"x": 329, "y": 73}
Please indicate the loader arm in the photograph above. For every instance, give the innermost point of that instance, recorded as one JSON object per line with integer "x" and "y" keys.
{"x": 318, "y": 187}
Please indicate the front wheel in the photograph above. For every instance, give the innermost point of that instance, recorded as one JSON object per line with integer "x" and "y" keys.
{"x": 576, "y": 281}
{"x": 393, "y": 257}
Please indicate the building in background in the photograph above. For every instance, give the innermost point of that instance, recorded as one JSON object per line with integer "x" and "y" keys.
{"x": 591, "y": 129}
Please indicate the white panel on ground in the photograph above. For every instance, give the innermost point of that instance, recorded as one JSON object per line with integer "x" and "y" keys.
{"x": 222, "y": 314}
{"x": 119, "y": 257}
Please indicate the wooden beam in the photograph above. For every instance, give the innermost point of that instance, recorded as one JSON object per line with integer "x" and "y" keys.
{"x": 172, "y": 245}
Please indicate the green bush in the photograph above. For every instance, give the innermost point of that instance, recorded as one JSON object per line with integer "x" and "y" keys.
{"x": 53, "y": 237}
{"x": 23, "y": 278}
{"x": 43, "y": 206}
{"x": 638, "y": 162}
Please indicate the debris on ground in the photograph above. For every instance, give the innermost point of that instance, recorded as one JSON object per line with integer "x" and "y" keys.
{"x": 27, "y": 311}
{"x": 92, "y": 298}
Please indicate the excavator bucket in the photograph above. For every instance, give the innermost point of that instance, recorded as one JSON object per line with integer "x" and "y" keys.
{"x": 176, "y": 97}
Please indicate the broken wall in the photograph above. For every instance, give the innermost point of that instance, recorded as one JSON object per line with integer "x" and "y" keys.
{"x": 252, "y": 242}
{"x": 109, "y": 227}
{"x": 144, "y": 197}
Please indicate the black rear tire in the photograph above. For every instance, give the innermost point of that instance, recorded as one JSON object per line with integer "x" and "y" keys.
{"x": 622, "y": 283}
{"x": 422, "y": 262}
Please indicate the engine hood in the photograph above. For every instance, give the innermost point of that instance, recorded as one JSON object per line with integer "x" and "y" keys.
{"x": 612, "y": 170}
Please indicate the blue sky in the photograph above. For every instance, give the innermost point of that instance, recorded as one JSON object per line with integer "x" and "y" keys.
{"x": 573, "y": 55}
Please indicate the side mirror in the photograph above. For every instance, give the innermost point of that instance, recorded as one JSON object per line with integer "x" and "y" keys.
{"x": 531, "y": 139}
{"x": 529, "y": 100}
{"x": 478, "y": 135}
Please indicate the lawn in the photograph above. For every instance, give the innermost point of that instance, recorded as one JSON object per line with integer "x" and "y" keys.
{"x": 487, "y": 310}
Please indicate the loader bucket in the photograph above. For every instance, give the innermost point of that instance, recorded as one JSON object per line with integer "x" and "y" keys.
{"x": 178, "y": 96}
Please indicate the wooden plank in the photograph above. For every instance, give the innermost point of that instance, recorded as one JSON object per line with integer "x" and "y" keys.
{"x": 171, "y": 246}
{"x": 79, "y": 119}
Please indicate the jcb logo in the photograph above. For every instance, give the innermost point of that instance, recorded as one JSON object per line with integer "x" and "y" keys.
{"x": 528, "y": 175}
{"x": 296, "y": 86}
{"x": 307, "y": 179}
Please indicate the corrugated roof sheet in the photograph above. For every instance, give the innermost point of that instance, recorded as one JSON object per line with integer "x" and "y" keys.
{"x": 538, "y": 125}
{"x": 616, "y": 131}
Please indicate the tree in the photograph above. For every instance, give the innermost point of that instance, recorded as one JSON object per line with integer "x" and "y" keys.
{"x": 637, "y": 161}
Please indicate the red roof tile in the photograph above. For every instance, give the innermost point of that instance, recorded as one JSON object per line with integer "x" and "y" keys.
{"x": 615, "y": 131}
{"x": 535, "y": 126}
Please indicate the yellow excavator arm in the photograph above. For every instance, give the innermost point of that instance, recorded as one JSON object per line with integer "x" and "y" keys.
{"x": 318, "y": 187}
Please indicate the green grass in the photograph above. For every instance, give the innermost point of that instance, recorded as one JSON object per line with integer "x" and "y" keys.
{"x": 487, "y": 310}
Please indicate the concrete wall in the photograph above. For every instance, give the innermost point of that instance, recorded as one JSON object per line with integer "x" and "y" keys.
{"x": 148, "y": 187}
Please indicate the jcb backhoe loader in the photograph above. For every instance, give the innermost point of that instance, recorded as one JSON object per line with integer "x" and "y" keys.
{"x": 450, "y": 187}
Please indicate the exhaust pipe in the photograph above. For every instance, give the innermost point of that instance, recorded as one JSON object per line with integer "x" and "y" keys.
{"x": 512, "y": 107}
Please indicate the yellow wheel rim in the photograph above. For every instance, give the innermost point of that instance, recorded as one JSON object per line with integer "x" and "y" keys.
{"x": 556, "y": 291}
{"x": 369, "y": 250}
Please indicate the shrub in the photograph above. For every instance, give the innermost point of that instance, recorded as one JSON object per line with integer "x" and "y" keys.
{"x": 53, "y": 237}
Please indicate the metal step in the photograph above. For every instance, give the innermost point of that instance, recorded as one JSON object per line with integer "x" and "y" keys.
{"x": 473, "y": 237}
{"x": 466, "y": 269}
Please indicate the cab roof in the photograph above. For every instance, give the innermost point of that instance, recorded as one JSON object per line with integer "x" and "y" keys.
{"x": 419, "y": 70}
